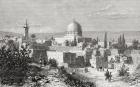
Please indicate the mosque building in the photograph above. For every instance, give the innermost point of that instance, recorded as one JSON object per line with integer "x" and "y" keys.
{"x": 73, "y": 36}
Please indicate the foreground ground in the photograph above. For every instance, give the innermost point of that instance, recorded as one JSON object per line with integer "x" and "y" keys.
{"x": 92, "y": 75}
{"x": 98, "y": 77}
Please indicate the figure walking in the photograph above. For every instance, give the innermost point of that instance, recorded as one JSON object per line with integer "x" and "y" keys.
{"x": 107, "y": 75}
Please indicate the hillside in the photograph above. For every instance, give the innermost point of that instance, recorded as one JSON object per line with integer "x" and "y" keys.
{"x": 129, "y": 35}
{"x": 3, "y": 34}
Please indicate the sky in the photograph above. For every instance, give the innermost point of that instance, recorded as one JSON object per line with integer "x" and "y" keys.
{"x": 49, "y": 16}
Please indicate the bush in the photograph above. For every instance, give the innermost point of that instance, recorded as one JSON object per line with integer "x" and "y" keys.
{"x": 52, "y": 63}
{"x": 13, "y": 65}
{"x": 123, "y": 71}
{"x": 73, "y": 81}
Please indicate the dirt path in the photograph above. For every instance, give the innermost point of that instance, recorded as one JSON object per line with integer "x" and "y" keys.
{"x": 99, "y": 79}
{"x": 94, "y": 76}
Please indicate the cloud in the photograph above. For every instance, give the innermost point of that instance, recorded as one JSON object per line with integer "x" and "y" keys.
{"x": 54, "y": 15}
{"x": 109, "y": 6}
{"x": 44, "y": 29}
{"x": 113, "y": 11}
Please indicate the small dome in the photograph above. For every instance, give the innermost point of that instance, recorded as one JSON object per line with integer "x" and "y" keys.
{"x": 74, "y": 28}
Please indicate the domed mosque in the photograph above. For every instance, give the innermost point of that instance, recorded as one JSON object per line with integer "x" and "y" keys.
{"x": 74, "y": 29}
{"x": 73, "y": 34}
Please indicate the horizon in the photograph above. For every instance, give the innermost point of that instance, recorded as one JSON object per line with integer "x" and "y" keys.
{"x": 65, "y": 31}
{"x": 112, "y": 35}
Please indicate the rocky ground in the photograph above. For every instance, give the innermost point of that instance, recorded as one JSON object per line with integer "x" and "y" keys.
{"x": 46, "y": 78}
{"x": 53, "y": 78}
{"x": 50, "y": 79}
{"x": 57, "y": 78}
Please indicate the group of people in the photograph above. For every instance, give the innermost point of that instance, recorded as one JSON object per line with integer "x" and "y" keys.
{"x": 108, "y": 75}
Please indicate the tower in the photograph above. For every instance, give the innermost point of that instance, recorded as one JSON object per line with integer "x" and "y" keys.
{"x": 26, "y": 27}
{"x": 105, "y": 40}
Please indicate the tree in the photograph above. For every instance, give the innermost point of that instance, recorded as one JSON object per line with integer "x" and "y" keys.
{"x": 66, "y": 43}
{"x": 7, "y": 36}
{"x": 121, "y": 44}
{"x": 135, "y": 44}
{"x": 11, "y": 45}
{"x": 13, "y": 65}
{"x": 52, "y": 63}
{"x": 105, "y": 40}
{"x": 33, "y": 36}
{"x": 123, "y": 71}
{"x": 97, "y": 40}
{"x": 94, "y": 42}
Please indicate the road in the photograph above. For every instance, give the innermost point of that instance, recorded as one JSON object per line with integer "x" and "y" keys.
{"x": 99, "y": 78}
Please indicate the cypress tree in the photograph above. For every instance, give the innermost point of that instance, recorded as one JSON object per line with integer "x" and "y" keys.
{"x": 123, "y": 40}
{"x": 97, "y": 39}
{"x": 105, "y": 40}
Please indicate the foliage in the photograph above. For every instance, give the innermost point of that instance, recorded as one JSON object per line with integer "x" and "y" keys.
{"x": 135, "y": 44}
{"x": 105, "y": 40}
{"x": 123, "y": 71}
{"x": 73, "y": 81}
{"x": 33, "y": 36}
{"x": 94, "y": 42}
{"x": 67, "y": 43}
{"x": 52, "y": 63}
{"x": 121, "y": 45}
{"x": 13, "y": 65}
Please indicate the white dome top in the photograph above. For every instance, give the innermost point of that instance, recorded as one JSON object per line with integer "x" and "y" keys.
{"x": 74, "y": 28}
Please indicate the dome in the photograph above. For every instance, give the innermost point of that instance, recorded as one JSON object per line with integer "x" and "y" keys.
{"x": 74, "y": 28}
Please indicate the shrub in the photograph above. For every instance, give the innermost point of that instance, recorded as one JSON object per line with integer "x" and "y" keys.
{"x": 73, "y": 81}
{"x": 13, "y": 65}
{"x": 123, "y": 71}
{"x": 52, "y": 63}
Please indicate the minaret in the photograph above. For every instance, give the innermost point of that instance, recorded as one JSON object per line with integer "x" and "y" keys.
{"x": 26, "y": 27}
{"x": 105, "y": 40}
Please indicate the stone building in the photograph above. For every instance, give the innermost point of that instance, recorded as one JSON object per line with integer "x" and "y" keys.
{"x": 72, "y": 56}
{"x": 62, "y": 58}
{"x": 38, "y": 52}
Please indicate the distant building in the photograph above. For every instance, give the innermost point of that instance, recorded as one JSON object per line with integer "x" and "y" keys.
{"x": 38, "y": 52}
{"x": 73, "y": 36}
{"x": 62, "y": 58}
{"x": 73, "y": 56}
